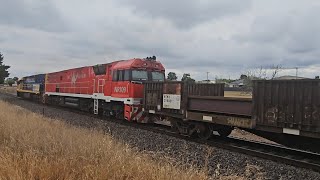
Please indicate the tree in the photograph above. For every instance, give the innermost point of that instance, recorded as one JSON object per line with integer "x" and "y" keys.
{"x": 15, "y": 79}
{"x": 276, "y": 70}
{"x": 243, "y": 76}
{"x": 253, "y": 74}
{"x": 172, "y": 76}
{"x": 3, "y": 70}
{"x": 223, "y": 80}
{"x": 259, "y": 74}
{"x": 187, "y": 78}
{"x": 10, "y": 81}
{"x": 317, "y": 77}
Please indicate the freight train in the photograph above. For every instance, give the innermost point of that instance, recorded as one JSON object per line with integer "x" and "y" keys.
{"x": 284, "y": 111}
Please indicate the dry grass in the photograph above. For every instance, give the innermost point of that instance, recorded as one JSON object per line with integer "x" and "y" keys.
{"x": 34, "y": 147}
{"x": 239, "y": 94}
{"x": 9, "y": 90}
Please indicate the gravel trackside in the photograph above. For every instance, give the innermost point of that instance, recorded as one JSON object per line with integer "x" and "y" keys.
{"x": 220, "y": 163}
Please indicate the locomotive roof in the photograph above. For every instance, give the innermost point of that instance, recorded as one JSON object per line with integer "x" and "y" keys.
{"x": 123, "y": 64}
{"x": 88, "y": 66}
{"x": 33, "y": 76}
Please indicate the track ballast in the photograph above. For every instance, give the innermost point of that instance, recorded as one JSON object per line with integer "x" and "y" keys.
{"x": 278, "y": 153}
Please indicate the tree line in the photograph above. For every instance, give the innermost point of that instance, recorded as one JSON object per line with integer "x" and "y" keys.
{"x": 186, "y": 77}
{"x": 4, "y": 73}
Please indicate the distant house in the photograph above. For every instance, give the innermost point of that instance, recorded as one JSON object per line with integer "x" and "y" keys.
{"x": 289, "y": 78}
{"x": 226, "y": 84}
{"x": 207, "y": 81}
{"x": 237, "y": 83}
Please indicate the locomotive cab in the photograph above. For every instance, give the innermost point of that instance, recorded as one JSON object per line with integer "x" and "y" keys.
{"x": 31, "y": 87}
{"x": 127, "y": 84}
{"x": 138, "y": 70}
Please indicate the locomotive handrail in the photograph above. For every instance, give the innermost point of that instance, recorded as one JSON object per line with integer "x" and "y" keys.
{"x": 101, "y": 85}
{"x": 94, "y": 85}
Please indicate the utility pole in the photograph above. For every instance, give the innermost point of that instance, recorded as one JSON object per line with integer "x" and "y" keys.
{"x": 208, "y": 77}
{"x": 296, "y": 72}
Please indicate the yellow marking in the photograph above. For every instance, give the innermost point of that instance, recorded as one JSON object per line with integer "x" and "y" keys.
{"x": 45, "y": 83}
{"x": 28, "y": 91}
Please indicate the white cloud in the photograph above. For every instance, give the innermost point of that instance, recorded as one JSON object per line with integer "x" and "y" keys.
{"x": 222, "y": 37}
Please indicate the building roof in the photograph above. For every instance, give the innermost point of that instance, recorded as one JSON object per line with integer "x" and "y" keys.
{"x": 287, "y": 77}
{"x": 207, "y": 81}
{"x": 237, "y": 82}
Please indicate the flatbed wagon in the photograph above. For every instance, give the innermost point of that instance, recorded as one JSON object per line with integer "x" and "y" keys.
{"x": 283, "y": 111}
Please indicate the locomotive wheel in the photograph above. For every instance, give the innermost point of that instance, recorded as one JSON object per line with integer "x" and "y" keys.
{"x": 205, "y": 132}
{"x": 225, "y": 132}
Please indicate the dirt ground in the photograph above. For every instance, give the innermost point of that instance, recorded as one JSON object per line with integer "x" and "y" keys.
{"x": 8, "y": 89}
{"x": 239, "y": 94}
{"x": 249, "y": 136}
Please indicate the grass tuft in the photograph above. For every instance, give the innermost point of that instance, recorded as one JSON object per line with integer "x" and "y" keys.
{"x": 34, "y": 147}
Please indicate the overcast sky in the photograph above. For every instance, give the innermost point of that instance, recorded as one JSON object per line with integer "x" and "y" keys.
{"x": 223, "y": 37}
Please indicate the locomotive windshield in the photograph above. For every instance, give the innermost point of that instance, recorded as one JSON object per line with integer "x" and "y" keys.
{"x": 157, "y": 76}
{"x": 139, "y": 75}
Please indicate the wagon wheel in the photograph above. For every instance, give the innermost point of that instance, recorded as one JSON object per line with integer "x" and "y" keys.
{"x": 225, "y": 132}
{"x": 174, "y": 125}
{"x": 205, "y": 132}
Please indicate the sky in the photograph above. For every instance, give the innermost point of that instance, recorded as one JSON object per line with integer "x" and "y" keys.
{"x": 226, "y": 38}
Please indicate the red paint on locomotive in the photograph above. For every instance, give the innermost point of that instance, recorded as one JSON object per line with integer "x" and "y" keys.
{"x": 118, "y": 81}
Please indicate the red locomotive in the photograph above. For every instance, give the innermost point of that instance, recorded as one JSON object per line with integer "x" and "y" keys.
{"x": 113, "y": 89}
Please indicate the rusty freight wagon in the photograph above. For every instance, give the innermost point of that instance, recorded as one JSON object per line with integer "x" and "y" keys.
{"x": 285, "y": 111}
{"x": 288, "y": 111}
{"x": 196, "y": 108}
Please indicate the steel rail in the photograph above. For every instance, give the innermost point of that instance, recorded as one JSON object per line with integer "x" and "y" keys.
{"x": 278, "y": 153}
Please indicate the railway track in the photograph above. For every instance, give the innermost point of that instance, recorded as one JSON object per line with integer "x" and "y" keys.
{"x": 278, "y": 153}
